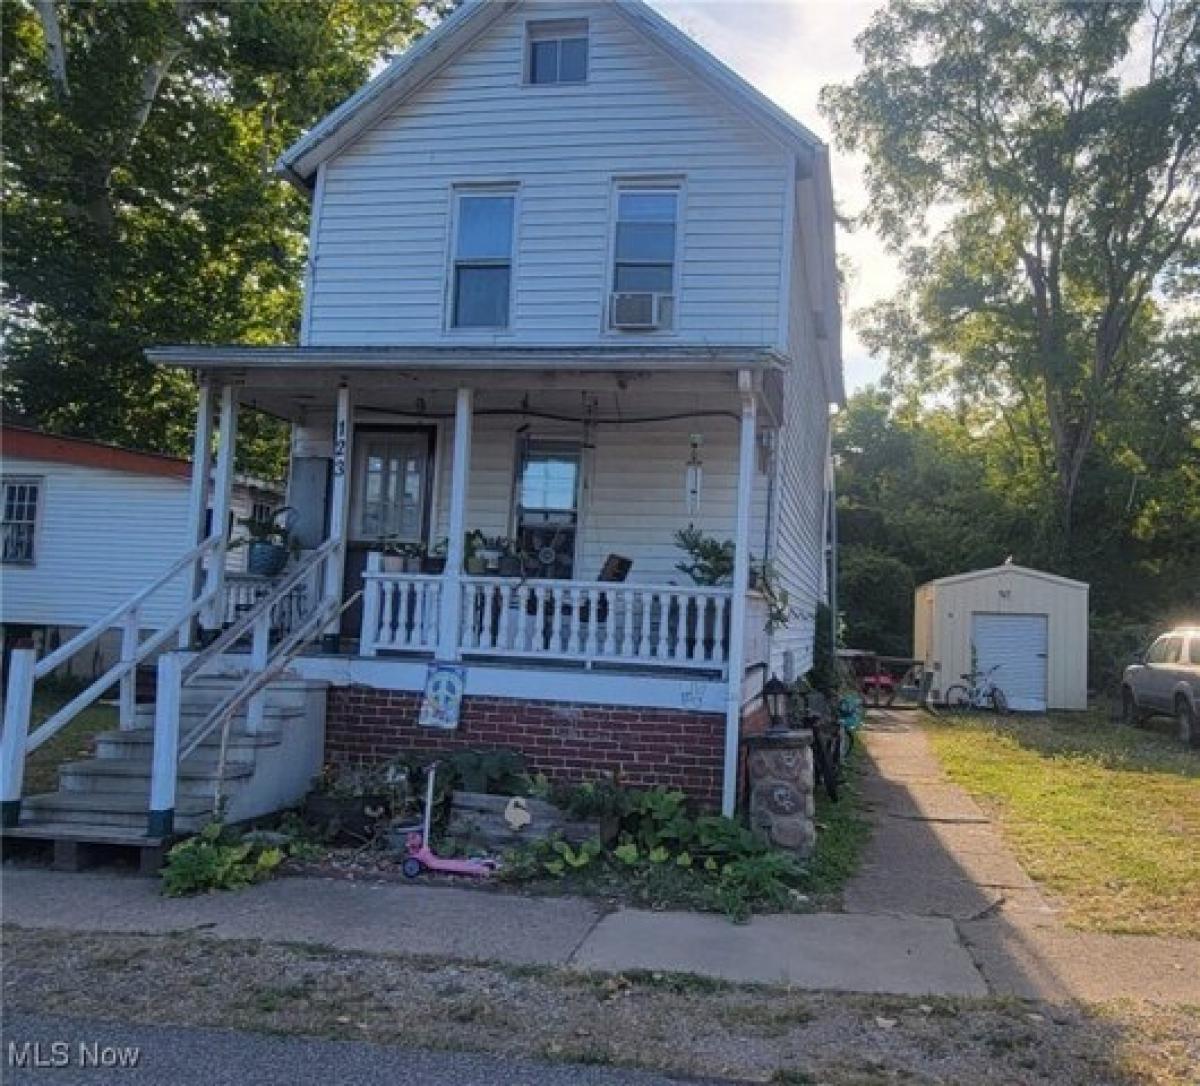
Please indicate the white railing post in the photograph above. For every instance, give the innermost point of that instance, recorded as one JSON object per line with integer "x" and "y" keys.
{"x": 130, "y": 638}
{"x": 165, "y": 763}
{"x": 260, "y": 651}
{"x": 369, "y": 634}
{"x": 198, "y": 500}
{"x": 339, "y": 508}
{"x": 449, "y": 625}
{"x": 221, "y": 503}
{"x": 738, "y": 591}
{"x": 18, "y": 704}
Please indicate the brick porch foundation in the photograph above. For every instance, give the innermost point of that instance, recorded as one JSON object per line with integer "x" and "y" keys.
{"x": 563, "y": 740}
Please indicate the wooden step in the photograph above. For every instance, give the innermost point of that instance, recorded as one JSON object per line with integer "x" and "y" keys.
{"x": 75, "y": 843}
{"x": 109, "y": 809}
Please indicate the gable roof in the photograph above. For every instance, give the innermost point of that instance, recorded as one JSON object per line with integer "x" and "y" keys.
{"x": 21, "y": 443}
{"x": 1007, "y": 567}
{"x": 412, "y": 68}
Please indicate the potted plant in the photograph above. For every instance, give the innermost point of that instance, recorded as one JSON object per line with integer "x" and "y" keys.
{"x": 401, "y": 556}
{"x": 709, "y": 564}
{"x": 491, "y": 549}
{"x": 434, "y": 561}
{"x": 473, "y": 560}
{"x": 354, "y": 800}
{"x": 511, "y": 563}
{"x": 268, "y": 542}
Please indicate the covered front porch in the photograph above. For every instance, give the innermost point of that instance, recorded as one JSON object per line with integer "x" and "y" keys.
{"x": 520, "y": 519}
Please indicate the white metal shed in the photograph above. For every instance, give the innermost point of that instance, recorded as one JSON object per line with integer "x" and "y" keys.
{"x": 1033, "y": 625}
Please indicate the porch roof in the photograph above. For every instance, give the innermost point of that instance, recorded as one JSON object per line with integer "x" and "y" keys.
{"x": 458, "y": 358}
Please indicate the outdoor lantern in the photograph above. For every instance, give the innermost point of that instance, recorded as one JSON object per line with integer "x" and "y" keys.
{"x": 776, "y": 694}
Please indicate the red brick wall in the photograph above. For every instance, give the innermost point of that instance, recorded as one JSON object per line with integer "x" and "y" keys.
{"x": 565, "y": 741}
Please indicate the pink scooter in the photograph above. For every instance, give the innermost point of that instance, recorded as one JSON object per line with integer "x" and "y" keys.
{"x": 421, "y": 857}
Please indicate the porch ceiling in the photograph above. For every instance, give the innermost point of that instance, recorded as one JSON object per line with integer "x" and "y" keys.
{"x": 291, "y": 381}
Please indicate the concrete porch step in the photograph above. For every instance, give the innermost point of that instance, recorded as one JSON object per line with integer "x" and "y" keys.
{"x": 109, "y": 809}
{"x": 195, "y": 778}
{"x": 139, "y": 743}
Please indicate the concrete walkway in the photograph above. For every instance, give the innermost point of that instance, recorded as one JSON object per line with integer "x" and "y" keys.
{"x": 935, "y": 853}
{"x": 894, "y": 955}
{"x": 940, "y": 907}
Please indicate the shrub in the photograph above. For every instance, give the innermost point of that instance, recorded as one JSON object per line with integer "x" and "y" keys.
{"x": 215, "y": 860}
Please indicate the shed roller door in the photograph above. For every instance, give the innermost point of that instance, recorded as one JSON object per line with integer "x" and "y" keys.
{"x": 1017, "y": 643}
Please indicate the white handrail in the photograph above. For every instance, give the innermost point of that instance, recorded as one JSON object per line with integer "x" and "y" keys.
{"x": 64, "y": 652}
{"x": 50, "y": 727}
{"x": 277, "y": 592}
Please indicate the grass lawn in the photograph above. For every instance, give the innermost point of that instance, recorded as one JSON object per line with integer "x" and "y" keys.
{"x": 1104, "y": 816}
{"x": 70, "y": 744}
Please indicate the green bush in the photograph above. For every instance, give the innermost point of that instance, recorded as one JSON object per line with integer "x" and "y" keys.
{"x": 1114, "y": 644}
{"x": 216, "y": 860}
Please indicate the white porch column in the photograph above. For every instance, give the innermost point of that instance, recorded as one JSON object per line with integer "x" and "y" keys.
{"x": 339, "y": 507}
{"x": 450, "y": 615}
{"x": 198, "y": 498}
{"x": 741, "y": 585}
{"x": 222, "y": 498}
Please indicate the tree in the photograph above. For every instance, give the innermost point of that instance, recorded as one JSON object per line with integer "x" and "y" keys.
{"x": 1063, "y": 141}
{"x": 141, "y": 206}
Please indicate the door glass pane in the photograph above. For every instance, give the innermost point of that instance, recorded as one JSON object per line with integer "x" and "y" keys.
{"x": 393, "y": 488}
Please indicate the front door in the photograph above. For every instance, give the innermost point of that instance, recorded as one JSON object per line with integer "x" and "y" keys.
{"x": 391, "y": 482}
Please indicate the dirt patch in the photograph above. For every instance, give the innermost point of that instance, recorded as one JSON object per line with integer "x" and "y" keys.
{"x": 666, "y": 1022}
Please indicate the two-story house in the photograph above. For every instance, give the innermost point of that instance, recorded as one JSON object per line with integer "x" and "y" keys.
{"x": 571, "y": 290}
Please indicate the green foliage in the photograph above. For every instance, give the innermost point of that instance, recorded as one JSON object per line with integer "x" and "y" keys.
{"x": 140, "y": 201}
{"x": 823, "y": 675}
{"x": 496, "y": 772}
{"x": 709, "y": 561}
{"x": 1061, "y": 139}
{"x": 215, "y": 860}
{"x": 597, "y": 799}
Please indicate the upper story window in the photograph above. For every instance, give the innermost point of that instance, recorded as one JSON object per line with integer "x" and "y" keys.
{"x": 644, "y": 257}
{"x": 557, "y": 52}
{"x": 21, "y": 501}
{"x": 482, "y": 274}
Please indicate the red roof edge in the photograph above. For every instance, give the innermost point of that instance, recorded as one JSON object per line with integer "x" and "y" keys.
{"x": 21, "y": 443}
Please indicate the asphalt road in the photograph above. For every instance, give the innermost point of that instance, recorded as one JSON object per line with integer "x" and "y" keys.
{"x": 212, "y": 1057}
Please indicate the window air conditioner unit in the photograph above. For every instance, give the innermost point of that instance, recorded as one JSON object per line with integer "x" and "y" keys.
{"x": 641, "y": 310}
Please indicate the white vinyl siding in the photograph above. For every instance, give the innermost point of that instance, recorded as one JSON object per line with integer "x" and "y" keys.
{"x": 102, "y": 537}
{"x": 798, "y": 553}
{"x": 383, "y": 220}
{"x": 633, "y": 488}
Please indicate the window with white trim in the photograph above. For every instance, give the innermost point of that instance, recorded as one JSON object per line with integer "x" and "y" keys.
{"x": 22, "y": 499}
{"x": 481, "y": 279}
{"x": 556, "y": 52}
{"x": 547, "y": 504}
{"x": 644, "y": 245}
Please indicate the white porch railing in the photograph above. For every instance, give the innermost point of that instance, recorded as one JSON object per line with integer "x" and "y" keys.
{"x": 244, "y": 591}
{"x": 585, "y": 622}
{"x": 25, "y": 669}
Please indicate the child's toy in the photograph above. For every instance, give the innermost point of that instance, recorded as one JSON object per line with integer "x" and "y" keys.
{"x": 421, "y": 857}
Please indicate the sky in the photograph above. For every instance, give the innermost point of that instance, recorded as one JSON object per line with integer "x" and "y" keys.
{"x": 789, "y": 50}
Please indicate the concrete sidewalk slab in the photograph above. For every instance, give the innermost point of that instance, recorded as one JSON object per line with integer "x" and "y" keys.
{"x": 1038, "y": 961}
{"x": 892, "y": 955}
{"x": 371, "y": 917}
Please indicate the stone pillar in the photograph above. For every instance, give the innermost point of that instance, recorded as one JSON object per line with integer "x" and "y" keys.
{"x": 780, "y": 770}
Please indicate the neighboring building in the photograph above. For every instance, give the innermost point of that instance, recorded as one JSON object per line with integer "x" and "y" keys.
{"x": 1032, "y": 627}
{"x": 85, "y": 526}
{"x": 572, "y": 283}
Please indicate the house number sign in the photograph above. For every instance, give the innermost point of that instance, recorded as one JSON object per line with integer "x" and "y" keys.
{"x": 339, "y": 449}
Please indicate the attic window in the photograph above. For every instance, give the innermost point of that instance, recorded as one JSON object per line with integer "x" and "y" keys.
{"x": 557, "y": 52}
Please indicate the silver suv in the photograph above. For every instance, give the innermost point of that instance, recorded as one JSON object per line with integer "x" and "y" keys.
{"x": 1167, "y": 681}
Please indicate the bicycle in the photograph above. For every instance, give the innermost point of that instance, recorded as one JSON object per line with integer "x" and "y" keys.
{"x": 833, "y": 730}
{"x": 979, "y": 692}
